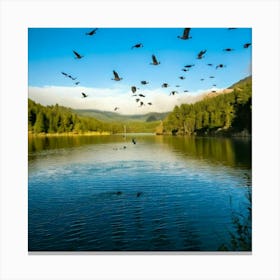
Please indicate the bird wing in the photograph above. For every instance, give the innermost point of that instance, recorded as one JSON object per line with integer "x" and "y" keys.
{"x": 154, "y": 59}
{"x": 186, "y": 32}
{"x": 78, "y": 55}
{"x": 116, "y": 74}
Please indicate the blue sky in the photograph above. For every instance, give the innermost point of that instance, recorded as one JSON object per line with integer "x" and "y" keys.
{"x": 50, "y": 53}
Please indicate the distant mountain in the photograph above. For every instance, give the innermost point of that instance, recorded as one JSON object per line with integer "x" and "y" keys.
{"x": 116, "y": 117}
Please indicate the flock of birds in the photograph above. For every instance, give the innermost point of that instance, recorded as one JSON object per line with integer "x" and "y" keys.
{"x": 139, "y": 96}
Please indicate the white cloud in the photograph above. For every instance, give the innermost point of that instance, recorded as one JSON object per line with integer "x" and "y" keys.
{"x": 108, "y": 98}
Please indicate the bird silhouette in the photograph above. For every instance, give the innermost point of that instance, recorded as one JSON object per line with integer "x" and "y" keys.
{"x": 141, "y": 95}
{"x": 209, "y": 64}
{"x": 173, "y": 92}
{"x": 201, "y": 53}
{"x": 231, "y": 28}
{"x": 185, "y": 70}
{"x": 186, "y": 90}
{"x": 150, "y": 103}
{"x": 77, "y": 83}
{"x": 84, "y": 95}
{"x": 214, "y": 85}
{"x": 65, "y": 74}
{"x": 177, "y": 85}
{"x": 78, "y": 56}
{"x": 116, "y": 76}
{"x": 139, "y": 45}
{"x": 228, "y": 50}
{"x": 133, "y": 89}
{"x": 133, "y": 141}
{"x": 144, "y": 82}
{"x": 189, "y": 65}
{"x": 141, "y": 103}
{"x": 185, "y": 35}
{"x": 211, "y": 77}
{"x": 213, "y": 91}
{"x": 155, "y": 61}
{"x": 220, "y": 66}
{"x": 116, "y": 108}
{"x": 92, "y": 32}
{"x": 202, "y": 79}
{"x": 182, "y": 77}
{"x": 164, "y": 85}
{"x": 247, "y": 45}
{"x": 137, "y": 99}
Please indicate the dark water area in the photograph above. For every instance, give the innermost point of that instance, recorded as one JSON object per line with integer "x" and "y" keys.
{"x": 104, "y": 193}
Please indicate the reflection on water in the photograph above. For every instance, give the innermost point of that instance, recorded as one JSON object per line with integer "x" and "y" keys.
{"x": 103, "y": 193}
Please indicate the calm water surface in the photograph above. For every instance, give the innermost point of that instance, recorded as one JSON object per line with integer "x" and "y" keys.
{"x": 103, "y": 193}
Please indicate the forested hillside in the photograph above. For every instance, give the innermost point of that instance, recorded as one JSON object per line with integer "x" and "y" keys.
{"x": 223, "y": 114}
{"x": 58, "y": 119}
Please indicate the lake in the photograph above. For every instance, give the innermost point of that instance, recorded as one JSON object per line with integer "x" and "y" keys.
{"x": 164, "y": 193}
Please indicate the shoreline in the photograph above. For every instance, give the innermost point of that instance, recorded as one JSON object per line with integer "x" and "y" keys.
{"x": 89, "y": 133}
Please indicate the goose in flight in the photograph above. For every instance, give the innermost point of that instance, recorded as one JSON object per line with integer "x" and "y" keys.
{"x": 228, "y": 50}
{"x": 200, "y": 54}
{"x": 189, "y": 65}
{"x": 116, "y": 108}
{"x": 220, "y": 66}
{"x": 144, "y": 82}
{"x": 139, "y": 45}
{"x": 155, "y": 61}
{"x": 247, "y": 45}
{"x": 173, "y": 92}
{"x": 133, "y": 89}
{"x": 92, "y": 32}
{"x": 78, "y": 56}
{"x": 84, "y": 95}
{"x": 116, "y": 76}
{"x": 185, "y": 35}
{"x": 164, "y": 85}
{"x": 141, "y": 95}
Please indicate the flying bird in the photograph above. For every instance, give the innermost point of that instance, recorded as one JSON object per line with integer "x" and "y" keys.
{"x": 139, "y": 45}
{"x": 189, "y": 65}
{"x": 173, "y": 92}
{"x": 186, "y": 90}
{"x": 84, "y": 95}
{"x": 116, "y": 76}
{"x": 231, "y": 28}
{"x": 202, "y": 79}
{"x": 209, "y": 64}
{"x": 247, "y": 45}
{"x": 228, "y": 50}
{"x": 185, "y": 70}
{"x": 63, "y": 73}
{"x": 164, "y": 85}
{"x": 155, "y": 62}
{"x": 92, "y": 32}
{"x": 177, "y": 85}
{"x": 200, "y": 54}
{"x": 133, "y": 89}
{"x": 133, "y": 141}
{"x": 116, "y": 108}
{"x": 137, "y": 99}
{"x": 150, "y": 103}
{"x": 182, "y": 77}
{"x": 77, "y": 83}
{"x": 141, "y": 95}
{"x": 211, "y": 77}
{"x": 141, "y": 103}
{"x": 220, "y": 66}
{"x": 185, "y": 35}
{"x": 144, "y": 82}
{"x": 78, "y": 56}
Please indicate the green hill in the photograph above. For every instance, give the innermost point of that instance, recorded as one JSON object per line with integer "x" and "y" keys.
{"x": 223, "y": 114}
{"x": 116, "y": 117}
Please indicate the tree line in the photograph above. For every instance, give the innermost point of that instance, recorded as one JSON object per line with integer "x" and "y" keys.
{"x": 59, "y": 119}
{"x": 225, "y": 113}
